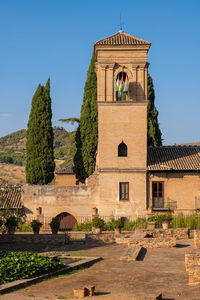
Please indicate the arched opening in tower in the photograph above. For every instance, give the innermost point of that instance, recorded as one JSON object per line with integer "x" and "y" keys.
{"x": 122, "y": 85}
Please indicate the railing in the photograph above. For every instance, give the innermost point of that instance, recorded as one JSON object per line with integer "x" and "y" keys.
{"x": 159, "y": 204}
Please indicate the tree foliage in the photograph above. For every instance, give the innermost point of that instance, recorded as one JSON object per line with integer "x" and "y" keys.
{"x": 87, "y": 131}
{"x": 153, "y": 131}
{"x": 39, "y": 145}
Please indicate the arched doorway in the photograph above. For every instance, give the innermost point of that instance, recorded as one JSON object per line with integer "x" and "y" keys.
{"x": 67, "y": 221}
{"x": 122, "y": 85}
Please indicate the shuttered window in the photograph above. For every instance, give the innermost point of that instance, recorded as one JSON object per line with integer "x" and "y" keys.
{"x": 124, "y": 191}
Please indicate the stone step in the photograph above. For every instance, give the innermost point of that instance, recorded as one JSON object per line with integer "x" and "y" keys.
{"x": 131, "y": 254}
{"x": 148, "y": 297}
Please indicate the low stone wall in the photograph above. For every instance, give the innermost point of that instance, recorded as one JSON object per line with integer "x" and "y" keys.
{"x": 194, "y": 274}
{"x": 197, "y": 239}
{"x": 167, "y": 242}
{"x": 77, "y": 235}
{"x": 105, "y": 238}
{"x": 191, "y": 259}
{"x": 30, "y": 238}
{"x": 178, "y": 233}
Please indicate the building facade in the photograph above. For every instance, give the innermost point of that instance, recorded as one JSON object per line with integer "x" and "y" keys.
{"x": 130, "y": 178}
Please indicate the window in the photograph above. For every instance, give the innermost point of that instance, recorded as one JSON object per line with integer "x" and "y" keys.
{"x": 158, "y": 194}
{"x": 122, "y": 149}
{"x": 124, "y": 191}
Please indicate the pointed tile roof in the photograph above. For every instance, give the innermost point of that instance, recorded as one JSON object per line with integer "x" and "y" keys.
{"x": 122, "y": 38}
{"x": 177, "y": 158}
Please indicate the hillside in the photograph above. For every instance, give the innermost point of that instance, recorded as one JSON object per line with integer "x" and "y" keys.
{"x": 13, "y": 147}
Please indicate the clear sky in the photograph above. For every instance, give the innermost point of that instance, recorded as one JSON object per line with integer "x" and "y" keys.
{"x": 54, "y": 38}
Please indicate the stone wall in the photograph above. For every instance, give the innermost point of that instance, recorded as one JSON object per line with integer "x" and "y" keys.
{"x": 75, "y": 200}
{"x": 30, "y": 238}
{"x": 191, "y": 259}
{"x": 105, "y": 238}
{"x": 197, "y": 239}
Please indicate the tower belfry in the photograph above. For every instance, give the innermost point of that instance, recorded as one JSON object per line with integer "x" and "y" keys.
{"x": 121, "y": 68}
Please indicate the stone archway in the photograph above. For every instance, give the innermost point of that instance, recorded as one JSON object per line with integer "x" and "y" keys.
{"x": 67, "y": 221}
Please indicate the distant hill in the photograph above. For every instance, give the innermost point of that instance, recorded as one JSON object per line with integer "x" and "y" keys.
{"x": 13, "y": 147}
{"x": 191, "y": 144}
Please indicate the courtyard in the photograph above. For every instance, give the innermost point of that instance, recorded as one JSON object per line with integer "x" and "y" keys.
{"x": 159, "y": 271}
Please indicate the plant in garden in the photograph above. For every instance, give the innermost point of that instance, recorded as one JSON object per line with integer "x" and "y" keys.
{"x": 97, "y": 222}
{"x": 11, "y": 222}
{"x": 21, "y": 265}
{"x": 36, "y": 225}
{"x": 55, "y": 225}
{"x": 1, "y": 222}
{"x": 87, "y": 131}
{"x": 87, "y": 226}
{"x": 117, "y": 224}
{"x": 154, "y": 135}
{"x": 40, "y": 163}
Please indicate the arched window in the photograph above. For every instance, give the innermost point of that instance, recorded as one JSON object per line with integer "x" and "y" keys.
{"x": 122, "y": 86}
{"x": 122, "y": 149}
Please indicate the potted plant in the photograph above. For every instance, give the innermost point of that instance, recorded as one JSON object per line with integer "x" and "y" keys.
{"x": 11, "y": 224}
{"x": 166, "y": 219}
{"x": 36, "y": 225}
{"x": 54, "y": 224}
{"x": 97, "y": 224}
{"x": 95, "y": 211}
{"x": 151, "y": 222}
{"x": 39, "y": 210}
{"x": 117, "y": 225}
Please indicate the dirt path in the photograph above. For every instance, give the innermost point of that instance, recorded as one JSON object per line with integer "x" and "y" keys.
{"x": 162, "y": 270}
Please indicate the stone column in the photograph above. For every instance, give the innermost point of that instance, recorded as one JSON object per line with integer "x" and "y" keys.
{"x": 98, "y": 80}
{"x": 102, "y": 75}
{"x": 110, "y": 84}
{"x": 197, "y": 239}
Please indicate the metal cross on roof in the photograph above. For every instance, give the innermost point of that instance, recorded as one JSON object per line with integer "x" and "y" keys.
{"x": 121, "y": 23}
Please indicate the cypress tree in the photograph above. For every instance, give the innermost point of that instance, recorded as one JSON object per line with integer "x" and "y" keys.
{"x": 39, "y": 145}
{"x": 87, "y": 132}
{"x": 154, "y": 135}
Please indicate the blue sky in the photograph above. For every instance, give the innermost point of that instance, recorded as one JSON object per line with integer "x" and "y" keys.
{"x": 54, "y": 38}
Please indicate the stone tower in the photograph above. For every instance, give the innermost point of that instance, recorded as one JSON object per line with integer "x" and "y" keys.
{"x": 121, "y": 59}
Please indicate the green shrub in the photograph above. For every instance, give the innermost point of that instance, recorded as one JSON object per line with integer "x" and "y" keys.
{"x": 22, "y": 265}
{"x": 87, "y": 226}
{"x": 25, "y": 227}
{"x": 35, "y": 224}
{"x": 140, "y": 223}
{"x": 191, "y": 221}
{"x": 117, "y": 224}
{"x": 11, "y": 222}
{"x": 159, "y": 218}
{"x": 55, "y": 223}
{"x": 98, "y": 222}
{"x": 109, "y": 226}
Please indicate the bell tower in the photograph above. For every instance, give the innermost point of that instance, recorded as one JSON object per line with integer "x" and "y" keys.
{"x": 121, "y": 68}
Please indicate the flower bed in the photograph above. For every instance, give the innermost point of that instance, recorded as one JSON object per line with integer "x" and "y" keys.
{"x": 21, "y": 265}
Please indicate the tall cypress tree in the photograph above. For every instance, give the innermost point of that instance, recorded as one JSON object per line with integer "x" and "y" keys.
{"x": 39, "y": 145}
{"x": 154, "y": 135}
{"x": 87, "y": 132}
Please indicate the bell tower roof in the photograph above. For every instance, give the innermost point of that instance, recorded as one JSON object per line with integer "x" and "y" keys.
{"x": 122, "y": 38}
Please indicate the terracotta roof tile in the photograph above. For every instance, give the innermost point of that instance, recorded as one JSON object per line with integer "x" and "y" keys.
{"x": 67, "y": 170}
{"x": 122, "y": 38}
{"x": 10, "y": 197}
{"x": 173, "y": 158}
